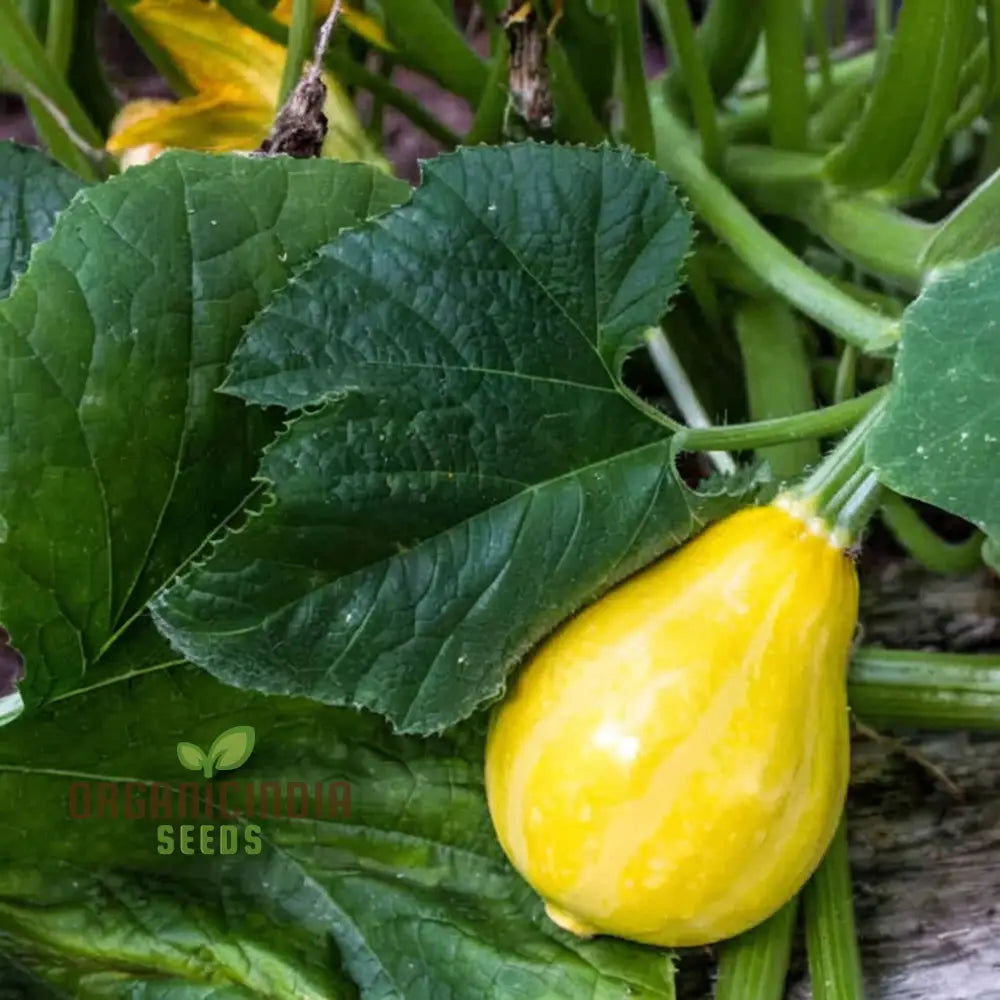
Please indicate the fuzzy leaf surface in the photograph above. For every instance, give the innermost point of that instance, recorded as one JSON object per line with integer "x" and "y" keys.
{"x": 466, "y": 468}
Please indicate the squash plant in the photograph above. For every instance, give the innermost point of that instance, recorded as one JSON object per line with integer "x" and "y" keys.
{"x": 298, "y": 456}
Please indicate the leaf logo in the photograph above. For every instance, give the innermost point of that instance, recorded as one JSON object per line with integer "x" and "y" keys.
{"x": 228, "y": 751}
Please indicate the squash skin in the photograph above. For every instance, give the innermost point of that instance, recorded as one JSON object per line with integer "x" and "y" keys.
{"x": 671, "y": 764}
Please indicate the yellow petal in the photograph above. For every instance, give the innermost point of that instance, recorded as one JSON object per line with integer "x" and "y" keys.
{"x": 220, "y": 122}
{"x": 137, "y": 111}
{"x": 217, "y": 121}
{"x": 127, "y": 117}
{"x": 214, "y": 50}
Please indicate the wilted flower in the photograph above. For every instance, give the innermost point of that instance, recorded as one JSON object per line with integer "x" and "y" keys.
{"x": 236, "y": 74}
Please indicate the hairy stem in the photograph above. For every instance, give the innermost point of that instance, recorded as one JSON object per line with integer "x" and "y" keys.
{"x": 770, "y": 260}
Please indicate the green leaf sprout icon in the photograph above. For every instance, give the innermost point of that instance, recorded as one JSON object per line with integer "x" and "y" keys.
{"x": 228, "y": 751}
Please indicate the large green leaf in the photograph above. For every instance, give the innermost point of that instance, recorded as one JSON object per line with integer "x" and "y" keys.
{"x": 118, "y": 457}
{"x": 33, "y": 191}
{"x": 470, "y": 470}
{"x": 939, "y": 439}
{"x": 409, "y": 895}
{"x": 469, "y": 410}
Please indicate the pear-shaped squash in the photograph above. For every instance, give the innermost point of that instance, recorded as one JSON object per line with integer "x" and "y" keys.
{"x": 671, "y": 764}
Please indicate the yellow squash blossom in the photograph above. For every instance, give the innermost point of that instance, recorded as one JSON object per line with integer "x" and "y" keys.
{"x": 672, "y": 763}
{"x": 236, "y": 73}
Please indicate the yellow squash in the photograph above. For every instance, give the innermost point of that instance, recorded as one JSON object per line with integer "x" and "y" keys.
{"x": 671, "y": 764}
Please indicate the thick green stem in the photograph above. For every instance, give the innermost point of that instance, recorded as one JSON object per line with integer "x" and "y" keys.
{"x": 831, "y": 936}
{"x": 890, "y": 143}
{"x": 888, "y": 305}
{"x": 883, "y": 27}
{"x": 575, "y": 119}
{"x": 819, "y": 38}
{"x": 940, "y": 100}
{"x": 35, "y": 14}
{"x": 726, "y": 38}
{"x": 755, "y": 965}
{"x": 871, "y": 235}
{"x": 61, "y": 121}
{"x": 819, "y": 423}
{"x": 749, "y": 119}
{"x": 778, "y": 378}
{"x": 59, "y": 34}
{"x": 911, "y": 689}
{"x": 86, "y": 75}
{"x": 784, "y": 33}
{"x": 777, "y": 266}
{"x": 864, "y": 229}
{"x": 993, "y": 27}
{"x": 853, "y": 505}
{"x": 844, "y": 466}
{"x": 839, "y": 22}
{"x": 971, "y": 104}
{"x": 638, "y": 121}
{"x": 910, "y": 530}
{"x": 692, "y": 72}
{"x": 702, "y": 288}
{"x": 300, "y": 43}
{"x": 831, "y": 122}
{"x": 847, "y": 370}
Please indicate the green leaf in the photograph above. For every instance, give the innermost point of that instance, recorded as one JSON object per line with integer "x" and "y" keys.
{"x": 939, "y": 439}
{"x": 118, "y": 456}
{"x": 191, "y": 756}
{"x": 33, "y": 191}
{"x": 470, "y": 470}
{"x": 409, "y": 895}
{"x": 232, "y": 748}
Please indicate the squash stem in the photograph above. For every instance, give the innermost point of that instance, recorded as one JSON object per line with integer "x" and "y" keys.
{"x": 691, "y": 69}
{"x": 831, "y": 937}
{"x": 915, "y": 689}
{"x": 857, "y": 502}
{"x": 822, "y": 422}
{"x": 840, "y": 489}
{"x": 938, "y": 555}
{"x": 755, "y": 964}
